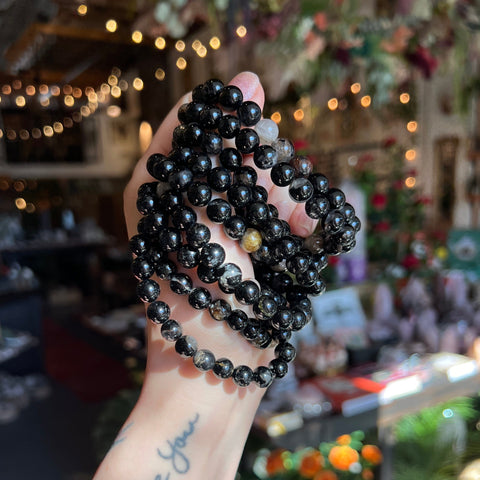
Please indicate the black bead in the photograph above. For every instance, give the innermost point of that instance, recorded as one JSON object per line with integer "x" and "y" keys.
{"x": 220, "y": 309}
{"x": 183, "y": 217}
{"x": 193, "y": 135}
{"x": 263, "y": 254}
{"x": 251, "y": 329}
{"x": 285, "y": 351}
{"x": 180, "y": 180}
{"x": 223, "y": 368}
{"x": 246, "y": 175}
{"x": 181, "y": 284}
{"x": 204, "y": 360}
{"x": 237, "y": 320}
{"x": 302, "y": 165}
{"x": 165, "y": 270}
{"x": 188, "y": 256}
{"x": 319, "y": 182}
{"x": 170, "y": 200}
{"x": 199, "y": 194}
{"x": 300, "y": 190}
{"x": 278, "y": 367}
{"x": 265, "y": 157}
{"x": 193, "y": 111}
{"x": 242, "y": 376}
{"x": 178, "y": 136}
{"x": 246, "y": 140}
{"x": 158, "y": 312}
{"x": 282, "y": 319}
{"x": 299, "y": 262}
{"x": 257, "y": 213}
{"x": 355, "y": 223}
{"x": 198, "y": 235}
{"x": 156, "y": 222}
{"x": 149, "y": 188}
{"x": 207, "y": 274}
{"x": 336, "y": 197}
{"x": 282, "y": 174}
{"x": 282, "y": 282}
{"x": 231, "y": 159}
{"x": 262, "y": 339}
{"x": 230, "y": 277}
{"x": 212, "y": 142}
{"x": 265, "y": 307}
{"x": 239, "y": 195}
{"x": 247, "y": 292}
{"x": 142, "y": 268}
{"x": 186, "y": 346}
{"x": 346, "y": 236}
{"x": 230, "y": 98}
{"x": 147, "y": 204}
{"x": 198, "y": 94}
{"x": 219, "y": 179}
{"x": 249, "y": 113}
{"x": 234, "y": 227}
{"x": 154, "y": 160}
{"x": 155, "y": 257}
{"x": 200, "y": 164}
{"x": 182, "y": 113}
{"x": 281, "y": 335}
{"x": 138, "y": 245}
{"x": 212, "y": 89}
{"x": 199, "y": 298}
{"x": 209, "y": 117}
{"x": 307, "y": 278}
{"x": 170, "y": 239}
{"x": 260, "y": 194}
{"x": 163, "y": 169}
{"x": 219, "y": 210}
{"x": 148, "y": 290}
{"x": 299, "y": 319}
{"x": 348, "y": 212}
{"x": 263, "y": 377}
{"x": 229, "y": 126}
{"x": 212, "y": 255}
{"x": 317, "y": 288}
{"x": 273, "y": 230}
{"x": 334, "y": 221}
{"x": 317, "y": 206}
{"x": 286, "y": 247}
{"x": 181, "y": 155}
{"x": 171, "y": 330}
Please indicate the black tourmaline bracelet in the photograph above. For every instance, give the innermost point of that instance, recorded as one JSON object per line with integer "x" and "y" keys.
{"x": 287, "y": 267}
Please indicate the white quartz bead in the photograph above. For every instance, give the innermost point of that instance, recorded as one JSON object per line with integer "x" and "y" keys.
{"x": 284, "y": 148}
{"x": 267, "y": 130}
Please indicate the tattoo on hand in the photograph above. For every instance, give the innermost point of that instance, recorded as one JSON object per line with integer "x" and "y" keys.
{"x": 121, "y": 435}
{"x": 179, "y": 461}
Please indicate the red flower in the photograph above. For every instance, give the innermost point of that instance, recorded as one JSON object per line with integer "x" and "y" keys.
{"x": 382, "y": 226}
{"x": 300, "y": 144}
{"x": 379, "y": 201}
{"x": 410, "y": 262}
{"x": 424, "y": 200}
{"x": 389, "y": 142}
{"x": 321, "y": 21}
{"x": 423, "y": 59}
{"x": 364, "y": 159}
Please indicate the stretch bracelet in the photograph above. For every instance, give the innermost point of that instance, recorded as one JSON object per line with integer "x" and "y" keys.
{"x": 199, "y": 172}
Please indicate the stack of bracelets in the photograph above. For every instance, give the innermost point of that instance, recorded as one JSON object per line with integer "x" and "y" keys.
{"x": 287, "y": 267}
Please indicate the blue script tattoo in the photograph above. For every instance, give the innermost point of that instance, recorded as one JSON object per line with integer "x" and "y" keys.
{"x": 180, "y": 462}
{"x": 120, "y": 437}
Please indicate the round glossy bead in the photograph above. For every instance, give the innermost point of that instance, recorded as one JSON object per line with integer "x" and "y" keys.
{"x": 183, "y": 217}
{"x": 231, "y": 158}
{"x": 263, "y": 377}
{"x": 282, "y": 174}
{"x": 209, "y": 117}
{"x": 282, "y": 282}
{"x": 147, "y": 204}
{"x": 263, "y": 338}
{"x": 281, "y": 335}
{"x": 307, "y": 278}
{"x": 302, "y": 165}
{"x": 178, "y": 136}
{"x": 149, "y": 188}
{"x": 229, "y": 126}
{"x": 158, "y": 312}
{"x": 345, "y": 236}
{"x": 334, "y": 221}
{"x": 348, "y": 212}
{"x": 148, "y": 290}
{"x": 181, "y": 284}
{"x": 336, "y": 197}
{"x": 186, "y": 346}
{"x": 299, "y": 262}
{"x": 278, "y": 367}
{"x": 263, "y": 255}
{"x": 246, "y": 140}
{"x": 284, "y": 148}
{"x": 212, "y": 89}
{"x": 273, "y": 230}
{"x": 142, "y": 268}
{"x": 181, "y": 155}
{"x": 257, "y": 213}
{"x": 199, "y": 194}
{"x": 247, "y": 292}
{"x": 163, "y": 169}
{"x": 199, "y": 298}
{"x": 285, "y": 351}
{"x": 181, "y": 180}
{"x": 282, "y": 319}
{"x": 155, "y": 222}
{"x": 193, "y": 135}
{"x": 207, "y": 274}
{"x": 165, "y": 270}
{"x": 237, "y": 320}
{"x": 212, "y": 142}
{"x": 169, "y": 200}
{"x": 267, "y": 130}
{"x": 249, "y": 113}
{"x": 242, "y": 376}
{"x": 204, "y": 360}
{"x": 300, "y": 190}
{"x": 265, "y": 307}
{"x": 155, "y": 257}
{"x": 212, "y": 255}
{"x": 265, "y": 157}
{"x": 219, "y": 179}
{"x": 198, "y": 94}
{"x": 171, "y": 330}
{"x": 170, "y": 239}
{"x": 299, "y": 319}
{"x": 286, "y": 247}
{"x": 219, "y": 309}
{"x": 223, "y": 368}
{"x": 260, "y": 194}
{"x": 200, "y": 164}
{"x": 239, "y": 195}
{"x": 198, "y": 235}
{"x": 188, "y": 113}
{"x": 188, "y": 256}
{"x": 152, "y": 161}
{"x": 319, "y": 182}
{"x": 317, "y": 288}
{"x": 219, "y": 210}
{"x": 246, "y": 175}
{"x": 230, "y": 277}
{"x": 138, "y": 245}
{"x": 234, "y": 227}
{"x": 355, "y": 223}
{"x": 230, "y": 97}
{"x": 317, "y": 206}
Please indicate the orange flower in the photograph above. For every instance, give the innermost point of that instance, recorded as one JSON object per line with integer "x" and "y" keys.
{"x": 372, "y": 454}
{"x": 326, "y": 475}
{"x": 342, "y": 457}
{"x": 344, "y": 440}
{"x": 275, "y": 462}
{"x": 367, "y": 474}
{"x": 311, "y": 463}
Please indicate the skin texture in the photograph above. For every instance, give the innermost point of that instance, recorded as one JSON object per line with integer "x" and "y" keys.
{"x": 188, "y": 424}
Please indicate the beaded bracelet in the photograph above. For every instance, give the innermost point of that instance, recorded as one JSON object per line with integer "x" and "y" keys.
{"x": 287, "y": 267}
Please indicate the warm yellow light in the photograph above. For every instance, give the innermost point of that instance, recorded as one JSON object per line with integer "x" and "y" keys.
{"x": 276, "y": 117}
{"x": 11, "y": 135}
{"x": 112, "y": 80}
{"x": 410, "y": 182}
{"x": 57, "y": 127}
{"x": 114, "y": 111}
{"x": 404, "y": 98}
{"x": 55, "y": 90}
{"x": 19, "y": 185}
{"x": 30, "y": 208}
{"x": 412, "y": 126}
{"x": 69, "y": 100}
{"x": 20, "y": 101}
{"x": 180, "y": 45}
{"x": 111, "y": 25}
{"x": 30, "y": 90}
{"x": 89, "y": 90}
{"x": 411, "y": 154}
{"x": 137, "y": 36}
{"x": 145, "y": 134}
{"x": 92, "y": 106}
{"x": 123, "y": 84}
{"x": 36, "y": 133}
{"x": 181, "y": 63}
{"x": 48, "y": 131}
{"x": 241, "y": 31}
{"x": 77, "y": 92}
{"x": 202, "y": 51}
{"x": 105, "y": 88}
{"x": 17, "y": 84}
{"x": 82, "y": 9}
{"x": 24, "y": 135}
{"x": 355, "y": 88}
{"x": 196, "y": 44}
{"x": 6, "y": 89}
{"x": 298, "y": 115}
{"x": 20, "y": 203}
{"x": 85, "y": 111}
{"x": 215, "y": 43}
{"x": 92, "y": 97}
{"x": 67, "y": 89}
{"x": 45, "y": 102}
{"x": 101, "y": 98}
{"x": 160, "y": 43}
{"x": 332, "y": 104}
{"x": 160, "y": 74}
{"x": 116, "y": 92}
{"x": 366, "y": 101}
{"x": 138, "y": 84}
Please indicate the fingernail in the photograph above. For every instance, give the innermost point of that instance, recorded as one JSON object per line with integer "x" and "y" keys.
{"x": 248, "y": 83}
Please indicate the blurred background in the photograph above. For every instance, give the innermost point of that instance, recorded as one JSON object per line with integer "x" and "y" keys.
{"x": 382, "y": 98}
